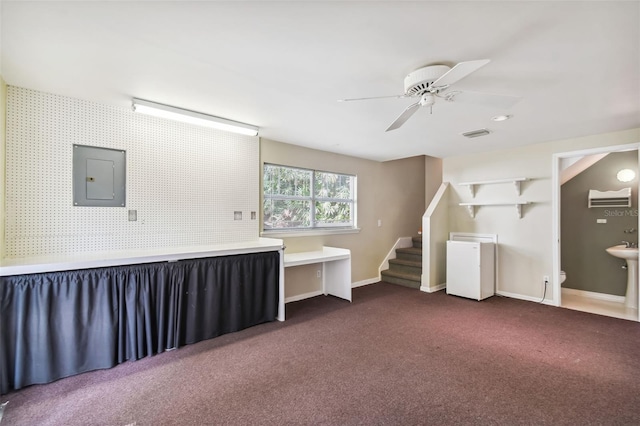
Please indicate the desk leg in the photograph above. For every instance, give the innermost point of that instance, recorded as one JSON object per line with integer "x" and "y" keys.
{"x": 337, "y": 278}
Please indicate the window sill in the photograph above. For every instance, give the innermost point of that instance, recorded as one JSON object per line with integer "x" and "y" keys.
{"x": 307, "y": 233}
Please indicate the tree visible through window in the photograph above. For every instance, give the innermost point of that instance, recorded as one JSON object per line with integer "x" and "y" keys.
{"x": 305, "y": 199}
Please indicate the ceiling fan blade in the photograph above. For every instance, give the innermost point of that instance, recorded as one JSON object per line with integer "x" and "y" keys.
{"x": 406, "y": 114}
{"x": 487, "y": 99}
{"x": 375, "y": 97}
{"x": 458, "y": 72}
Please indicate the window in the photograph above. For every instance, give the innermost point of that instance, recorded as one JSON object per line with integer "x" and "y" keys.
{"x": 307, "y": 199}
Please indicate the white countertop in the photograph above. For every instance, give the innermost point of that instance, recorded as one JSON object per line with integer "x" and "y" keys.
{"x": 68, "y": 262}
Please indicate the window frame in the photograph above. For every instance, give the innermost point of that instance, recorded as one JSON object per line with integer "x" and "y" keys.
{"x": 312, "y": 199}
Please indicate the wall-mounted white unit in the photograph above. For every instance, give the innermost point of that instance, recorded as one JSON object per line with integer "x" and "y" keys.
{"x": 621, "y": 198}
{"x": 471, "y": 269}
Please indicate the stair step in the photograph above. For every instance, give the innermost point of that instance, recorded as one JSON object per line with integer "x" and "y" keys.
{"x": 405, "y": 262}
{"x": 409, "y": 253}
{"x": 410, "y": 277}
{"x": 403, "y": 279}
{"x": 405, "y": 266}
{"x": 409, "y": 250}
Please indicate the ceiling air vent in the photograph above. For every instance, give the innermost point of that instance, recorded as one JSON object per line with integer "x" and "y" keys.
{"x": 476, "y": 133}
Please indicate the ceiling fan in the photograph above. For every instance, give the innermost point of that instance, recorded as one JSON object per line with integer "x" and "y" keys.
{"x": 433, "y": 81}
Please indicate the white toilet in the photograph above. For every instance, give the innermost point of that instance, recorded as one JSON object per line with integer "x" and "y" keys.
{"x": 563, "y": 277}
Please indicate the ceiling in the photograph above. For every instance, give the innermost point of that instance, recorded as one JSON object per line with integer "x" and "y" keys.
{"x": 283, "y": 65}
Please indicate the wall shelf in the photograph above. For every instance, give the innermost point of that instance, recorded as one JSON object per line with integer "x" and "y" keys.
{"x": 472, "y": 185}
{"x": 471, "y": 207}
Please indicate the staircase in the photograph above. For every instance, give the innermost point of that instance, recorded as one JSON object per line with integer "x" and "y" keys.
{"x": 406, "y": 268}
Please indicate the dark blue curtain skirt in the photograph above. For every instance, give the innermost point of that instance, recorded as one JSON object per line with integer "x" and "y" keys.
{"x": 58, "y": 324}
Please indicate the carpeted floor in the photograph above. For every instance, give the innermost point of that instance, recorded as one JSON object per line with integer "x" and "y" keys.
{"x": 394, "y": 356}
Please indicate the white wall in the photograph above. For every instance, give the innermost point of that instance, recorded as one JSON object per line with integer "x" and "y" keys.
{"x": 184, "y": 181}
{"x": 525, "y": 245}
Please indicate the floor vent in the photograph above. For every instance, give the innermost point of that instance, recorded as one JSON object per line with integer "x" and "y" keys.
{"x": 476, "y": 133}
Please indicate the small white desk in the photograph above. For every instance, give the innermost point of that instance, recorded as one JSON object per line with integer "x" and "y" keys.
{"x": 336, "y": 268}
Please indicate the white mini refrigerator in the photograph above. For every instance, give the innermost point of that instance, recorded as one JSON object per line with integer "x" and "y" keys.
{"x": 471, "y": 269}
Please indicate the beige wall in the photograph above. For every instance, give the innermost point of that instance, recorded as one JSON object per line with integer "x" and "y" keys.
{"x": 525, "y": 245}
{"x": 3, "y": 132}
{"x": 393, "y": 192}
{"x": 302, "y": 282}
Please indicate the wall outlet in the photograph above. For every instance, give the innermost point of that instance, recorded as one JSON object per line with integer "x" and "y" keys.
{"x": 545, "y": 279}
{"x": 318, "y": 273}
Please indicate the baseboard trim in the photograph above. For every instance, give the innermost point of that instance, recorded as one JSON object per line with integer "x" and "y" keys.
{"x": 594, "y": 295}
{"x": 365, "y": 282}
{"x": 525, "y": 297}
{"x": 319, "y": 292}
{"x": 433, "y": 289}
{"x": 302, "y": 296}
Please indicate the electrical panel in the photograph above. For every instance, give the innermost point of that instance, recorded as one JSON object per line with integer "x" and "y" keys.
{"x": 99, "y": 176}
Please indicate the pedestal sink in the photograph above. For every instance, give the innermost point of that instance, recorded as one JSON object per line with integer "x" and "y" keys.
{"x": 630, "y": 254}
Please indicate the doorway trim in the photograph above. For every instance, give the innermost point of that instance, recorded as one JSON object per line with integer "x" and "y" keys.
{"x": 555, "y": 202}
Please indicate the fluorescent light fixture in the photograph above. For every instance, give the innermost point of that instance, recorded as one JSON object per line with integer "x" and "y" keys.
{"x": 626, "y": 175}
{"x": 192, "y": 117}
